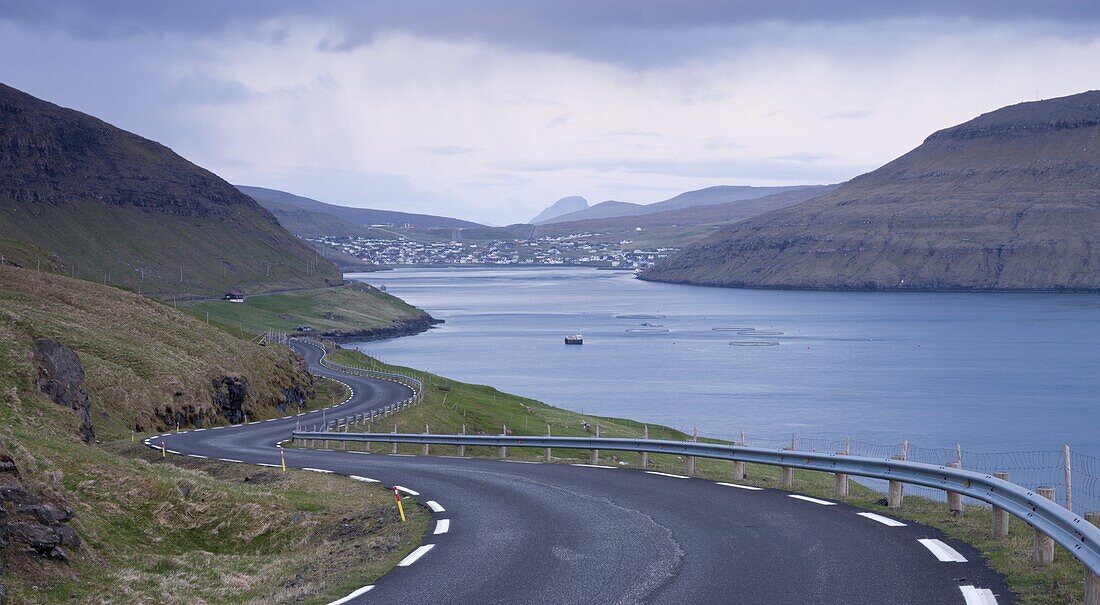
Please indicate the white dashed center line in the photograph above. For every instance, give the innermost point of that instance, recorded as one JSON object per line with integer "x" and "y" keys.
{"x": 315, "y": 470}
{"x": 363, "y": 479}
{"x": 666, "y": 475}
{"x": 593, "y": 466}
{"x": 406, "y": 490}
{"x": 229, "y": 460}
{"x": 362, "y": 591}
{"x": 442, "y": 526}
{"x": 436, "y": 508}
{"x": 739, "y": 486}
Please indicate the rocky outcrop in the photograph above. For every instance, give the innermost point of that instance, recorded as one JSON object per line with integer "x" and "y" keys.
{"x": 229, "y": 396}
{"x": 31, "y": 525}
{"x": 60, "y": 376}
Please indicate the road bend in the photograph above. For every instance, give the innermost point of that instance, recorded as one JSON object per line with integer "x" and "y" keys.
{"x": 511, "y": 532}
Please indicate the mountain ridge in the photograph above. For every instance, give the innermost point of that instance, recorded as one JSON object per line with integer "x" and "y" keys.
{"x": 1007, "y": 201}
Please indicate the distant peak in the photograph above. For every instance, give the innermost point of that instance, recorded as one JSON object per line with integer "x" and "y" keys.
{"x": 565, "y": 205}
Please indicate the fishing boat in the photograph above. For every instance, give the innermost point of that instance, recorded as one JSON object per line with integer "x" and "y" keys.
{"x": 575, "y": 339}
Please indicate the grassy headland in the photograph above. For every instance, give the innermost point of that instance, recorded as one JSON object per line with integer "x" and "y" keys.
{"x": 450, "y": 406}
{"x": 353, "y": 310}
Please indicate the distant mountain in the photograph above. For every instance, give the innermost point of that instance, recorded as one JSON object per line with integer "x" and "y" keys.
{"x": 112, "y": 206}
{"x": 720, "y": 194}
{"x": 565, "y": 205}
{"x": 310, "y": 218}
{"x": 1007, "y": 201}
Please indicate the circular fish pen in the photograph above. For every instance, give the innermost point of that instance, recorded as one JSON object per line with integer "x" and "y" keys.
{"x": 646, "y": 330}
{"x": 753, "y": 343}
{"x": 639, "y": 316}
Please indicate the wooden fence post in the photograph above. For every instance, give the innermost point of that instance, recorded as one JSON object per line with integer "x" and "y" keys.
{"x": 788, "y": 472}
{"x": 394, "y": 449}
{"x": 596, "y": 452}
{"x": 504, "y": 448}
{"x": 1042, "y": 547}
{"x": 426, "y": 431}
{"x": 691, "y": 459}
{"x": 1000, "y": 516}
{"x": 462, "y": 448}
{"x": 644, "y": 462}
{"x": 1069, "y": 478}
{"x": 546, "y": 454}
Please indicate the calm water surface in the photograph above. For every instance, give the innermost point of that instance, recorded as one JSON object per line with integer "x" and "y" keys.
{"x": 996, "y": 372}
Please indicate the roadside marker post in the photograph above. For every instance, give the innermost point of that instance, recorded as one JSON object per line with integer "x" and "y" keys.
{"x": 282, "y": 458}
{"x": 400, "y": 508}
{"x": 163, "y": 451}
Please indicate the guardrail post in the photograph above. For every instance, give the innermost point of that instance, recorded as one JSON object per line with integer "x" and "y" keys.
{"x": 344, "y": 444}
{"x": 394, "y": 449}
{"x": 1042, "y": 546}
{"x": 788, "y": 472}
{"x": 1092, "y": 581}
{"x": 366, "y": 444}
{"x": 645, "y": 455}
{"x": 462, "y": 448}
{"x": 691, "y": 459}
{"x": 595, "y": 452}
{"x": 895, "y": 492}
{"x": 546, "y": 453}
{"x": 426, "y": 432}
{"x": 954, "y": 499}
{"x": 504, "y": 448}
{"x": 840, "y": 489}
{"x": 1000, "y": 515}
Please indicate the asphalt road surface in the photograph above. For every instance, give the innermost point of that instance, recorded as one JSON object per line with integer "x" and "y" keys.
{"x": 508, "y": 532}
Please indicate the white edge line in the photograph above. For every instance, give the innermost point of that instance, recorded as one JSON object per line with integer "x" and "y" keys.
{"x": 593, "y": 466}
{"x": 402, "y": 455}
{"x": 229, "y": 460}
{"x": 887, "y": 521}
{"x": 809, "y": 499}
{"x": 196, "y": 456}
{"x": 523, "y": 461}
{"x": 363, "y": 479}
{"x": 357, "y": 593}
{"x": 436, "y": 508}
{"x": 415, "y": 555}
{"x": 316, "y": 470}
{"x": 666, "y": 475}
{"x": 942, "y": 551}
{"x": 739, "y": 486}
{"x": 442, "y": 526}
{"x": 406, "y": 490}
{"x": 268, "y": 465}
{"x": 978, "y": 596}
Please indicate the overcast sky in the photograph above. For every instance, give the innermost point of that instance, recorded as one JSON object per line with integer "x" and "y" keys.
{"x": 492, "y": 110}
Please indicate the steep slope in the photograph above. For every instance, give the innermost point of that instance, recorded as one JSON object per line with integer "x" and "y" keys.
{"x": 608, "y": 209}
{"x": 297, "y": 214}
{"x": 565, "y": 205}
{"x": 1007, "y": 201}
{"x": 90, "y": 522}
{"x": 119, "y": 208}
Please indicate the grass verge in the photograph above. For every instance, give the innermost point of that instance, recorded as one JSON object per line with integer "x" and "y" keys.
{"x": 450, "y": 407}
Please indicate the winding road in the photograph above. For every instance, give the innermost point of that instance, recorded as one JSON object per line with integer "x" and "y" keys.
{"x": 508, "y": 532}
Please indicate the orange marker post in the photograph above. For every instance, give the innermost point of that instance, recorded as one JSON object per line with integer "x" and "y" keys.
{"x": 400, "y": 508}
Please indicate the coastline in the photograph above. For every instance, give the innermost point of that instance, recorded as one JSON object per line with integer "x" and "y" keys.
{"x": 399, "y": 328}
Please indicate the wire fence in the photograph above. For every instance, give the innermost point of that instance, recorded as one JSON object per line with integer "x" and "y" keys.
{"x": 1074, "y": 476}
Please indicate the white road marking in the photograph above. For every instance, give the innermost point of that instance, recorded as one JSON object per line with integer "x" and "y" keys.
{"x": 363, "y": 479}
{"x": 942, "y": 551}
{"x": 403, "y": 455}
{"x": 271, "y": 420}
{"x": 197, "y": 430}
{"x": 316, "y": 470}
{"x": 455, "y": 457}
{"x": 436, "y": 508}
{"x": 442, "y": 526}
{"x": 667, "y": 475}
{"x": 809, "y": 499}
{"x": 217, "y": 427}
{"x": 196, "y": 456}
{"x": 415, "y": 555}
{"x": 229, "y": 460}
{"x": 354, "y": 452}
{"x": 172, "y": 452}
{"x": 883, "y": 520}
{"x": 268, "y": 465}
{"x": 358, "y": 593}
{"x": 978, "y": 596}
{"x": 593, "y": 466}
{"x": 406, "y": 490}
{"x": 523, "y": 461}
{"x": 739, "y": 486}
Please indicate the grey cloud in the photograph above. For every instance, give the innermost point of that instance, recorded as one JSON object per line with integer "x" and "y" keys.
{"x": 720, "y": 143}
{"x": 772, "y": 169}
{"x": 806, "y": 157}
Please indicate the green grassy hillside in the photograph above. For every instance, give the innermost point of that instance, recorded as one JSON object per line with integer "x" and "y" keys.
{"x": 115, "y": 207}
{"x": 178, "y": 530}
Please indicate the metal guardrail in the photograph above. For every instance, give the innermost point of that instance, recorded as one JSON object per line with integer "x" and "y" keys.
{"x": 1075, "y": 534}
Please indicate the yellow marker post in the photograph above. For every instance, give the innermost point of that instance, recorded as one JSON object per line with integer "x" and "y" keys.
{"x": 163, "y": 451}
{"x": 177, "y": 427}
{"x": 282, "y": 458}
{"x": 400, "y": 508}
{"x": 131, "y": 436}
